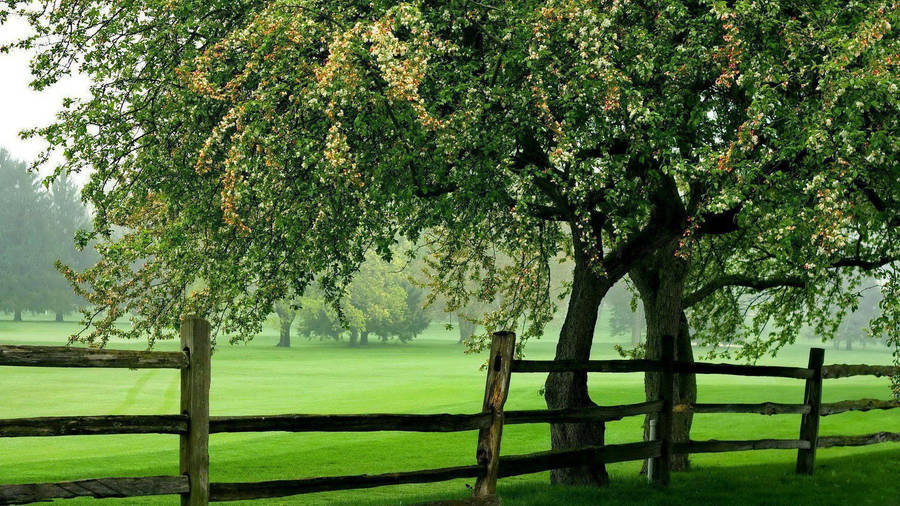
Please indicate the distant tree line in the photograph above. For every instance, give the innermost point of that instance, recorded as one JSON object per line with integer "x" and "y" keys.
{"x": 37, "y": 226}
{"x": 382, "y": 301}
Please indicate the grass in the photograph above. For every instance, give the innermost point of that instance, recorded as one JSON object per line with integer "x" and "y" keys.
{"x": 429, "y": 375}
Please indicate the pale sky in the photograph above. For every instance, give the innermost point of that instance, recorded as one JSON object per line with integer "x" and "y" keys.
{"x": 20, "y": 106}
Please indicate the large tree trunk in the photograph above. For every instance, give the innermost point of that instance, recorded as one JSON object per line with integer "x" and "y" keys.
{"x": 570, "y": 390}
{"x": 354, "y": 337}
{"x": 660, "y": 282}
{"x": 17, "y": 315}
{"x": 466, "y": 329}
{"x": 59, "y": 316}
{"x": 363, "y": 338}
{"x": 286, "y": 318}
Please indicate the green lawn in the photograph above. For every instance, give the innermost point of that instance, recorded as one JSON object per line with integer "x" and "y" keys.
{"x": 429, "y": 375}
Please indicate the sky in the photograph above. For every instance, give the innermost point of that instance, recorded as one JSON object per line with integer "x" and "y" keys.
{"x": 20, "y": 106}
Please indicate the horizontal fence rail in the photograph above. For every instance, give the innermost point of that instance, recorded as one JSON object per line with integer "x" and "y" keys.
{"x": 512, "y": 465}
{"x": 99, "y": 488}
{"x": 349, "y": 423}
{"x": 93, "y": 425}
{"x": 834, "y": 371}
{"x": 586, "y": 366}
{"x": 630, "y": 366}
{"x": 64, "y": 356}
{"x": 862, "y": 440}
{"x": 834, "y": 408}
{"x": 763, "y": 408}
{"x": 592, "y": 414}
{"x": 418, "y": 423}
{"x": 716, "y": 446}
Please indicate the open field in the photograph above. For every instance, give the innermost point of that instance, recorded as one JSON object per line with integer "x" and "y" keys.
{"x": 429, "y": 375}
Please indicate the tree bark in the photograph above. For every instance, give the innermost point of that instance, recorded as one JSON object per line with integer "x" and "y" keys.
{"x": 59, "y": 316}
{"x": 354, "y": 337}
{"x": 363, "y": 338}
{"x": 286, "y": 317}
{"x": 17, "y": 315}
{"x": 660, "y": 282}
{"x": 570, "y": 390}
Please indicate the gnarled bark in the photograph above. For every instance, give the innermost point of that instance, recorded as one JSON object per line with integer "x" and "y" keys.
{"x": 570, "y": 390}
{"x": 660, "y": 282}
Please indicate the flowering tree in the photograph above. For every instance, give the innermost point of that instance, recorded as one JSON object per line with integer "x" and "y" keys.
{"x": 255, "y": 145}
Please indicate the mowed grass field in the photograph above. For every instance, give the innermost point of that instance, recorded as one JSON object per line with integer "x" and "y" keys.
{"x": 428, "y": 375}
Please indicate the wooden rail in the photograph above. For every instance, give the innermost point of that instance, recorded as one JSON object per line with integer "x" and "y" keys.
{"x": 513, "y": 465}
{"x": 99, "y": 488}
{"x": 715, "y": 446}
{"x": 618, "y": 366}
{"x": 64, "y": 356}
{"x": 629, "y": 366}
{"x": 847, "y": 370}
{"x": 349, "y": 423}
{"x": 857, "y": 405}
{"x": 862, "y": 440}
{"x": 763, "y": 408}
{"x": 93, "y": 425}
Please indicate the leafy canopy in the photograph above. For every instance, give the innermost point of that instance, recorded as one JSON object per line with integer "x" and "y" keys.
{"x": 255, "y": 145}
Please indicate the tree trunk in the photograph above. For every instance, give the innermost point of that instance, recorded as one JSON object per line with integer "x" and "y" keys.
{"x": 17, "y": 315}
{"x": 363, "y": 338}
{"x": 849, "y": 345}
{"x": 59, "y": 316}
{"x": 286, "y": 317}
{"x": 354, "y": 337}
{"x": 570, "y": 390}
{"x": 466, "y": 329}
{"x": 660, "y": 282}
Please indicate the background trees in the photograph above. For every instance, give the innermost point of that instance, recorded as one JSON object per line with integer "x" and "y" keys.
{"x": 382, "y": 301}
{"x": 37, "y": 229}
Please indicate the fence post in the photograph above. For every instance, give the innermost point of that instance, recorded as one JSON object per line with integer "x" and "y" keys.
{"x": 665, "y": 393}
{"x": 495, "y": 391}
{"x": 809, "y": 424}
{"x": 194, "y": 446}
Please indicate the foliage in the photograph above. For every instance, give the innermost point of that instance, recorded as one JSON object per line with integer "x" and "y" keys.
{"x": 381, "y": 300}
{"x": 261, "y": 145}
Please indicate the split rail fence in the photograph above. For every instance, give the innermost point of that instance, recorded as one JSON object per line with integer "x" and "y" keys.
{"x": 194, "y": 425}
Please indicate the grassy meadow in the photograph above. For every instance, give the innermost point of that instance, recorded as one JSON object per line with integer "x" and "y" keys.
{"x": 428, "y": 375}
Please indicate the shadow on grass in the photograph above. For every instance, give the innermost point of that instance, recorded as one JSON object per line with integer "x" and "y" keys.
{"x": 871, "y": 478}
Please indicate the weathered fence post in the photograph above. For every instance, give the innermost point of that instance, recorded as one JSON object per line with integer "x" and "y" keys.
{"x": 809, "y": 424}
{"x": 194, "y": 448}
{"x": 495, "y": 391}
{"x": 666, "y": 393}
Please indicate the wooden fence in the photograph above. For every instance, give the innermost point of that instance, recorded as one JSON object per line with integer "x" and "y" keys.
{"x": 194, "y": 424}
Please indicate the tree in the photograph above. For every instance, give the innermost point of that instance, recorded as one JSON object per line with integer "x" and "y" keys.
{"x": 23, "y": 265}
{"x": 626, "y": 314}
{"x": 286, "y": 315}
{"x": 381, "y": 300}
{"x": 281, "y": 141}
{"x": 67, "y": 218}
{"x": 37, "y": 227}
